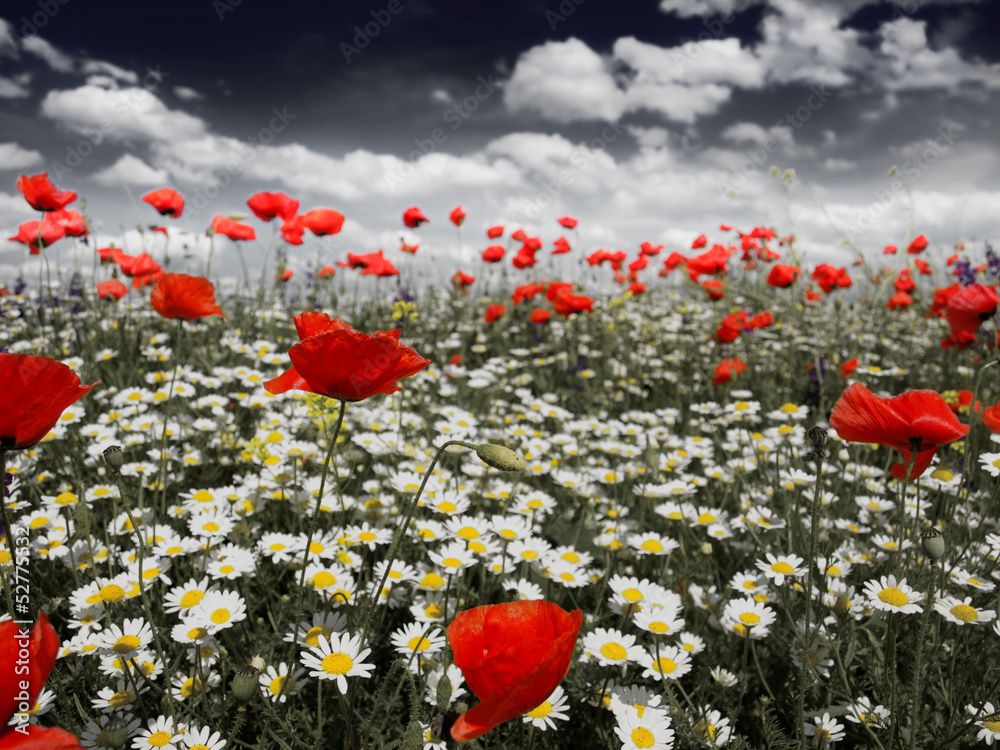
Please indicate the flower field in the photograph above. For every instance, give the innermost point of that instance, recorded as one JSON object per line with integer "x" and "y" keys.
{"x": 746, "y": 502}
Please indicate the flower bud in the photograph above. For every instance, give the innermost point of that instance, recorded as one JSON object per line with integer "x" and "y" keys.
{"x": 245, "y": 685}
{"x": 116, "y": 732}
{"x": 932, "y": 542}
{"x": 443, "y": 695}
{"x": 114, "y": 457}
{"x": 500, "y": 458}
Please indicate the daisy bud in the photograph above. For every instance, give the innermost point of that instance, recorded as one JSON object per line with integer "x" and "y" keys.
{"x": 116, "y": 732}
{"x": 114, "y": 457}
{"x": 500, "y": 458}
{"x": 706, "y": 548}
{"x": 245, "y": 684}
{"x": 932, "y": 542}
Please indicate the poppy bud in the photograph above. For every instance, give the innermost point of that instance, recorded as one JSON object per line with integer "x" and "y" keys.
{"x": 245, "y": 684}
{"x": 500, "y": 458}
{"x": 444, "y": 690}
{"x": 116, "y": 732}
{"x": 413, "y": 737}
{"x": 932, "y": 542}
{"x": 114, "y": 457}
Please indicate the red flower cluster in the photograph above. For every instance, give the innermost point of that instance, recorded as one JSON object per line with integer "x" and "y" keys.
{"x": 829, "y": 277}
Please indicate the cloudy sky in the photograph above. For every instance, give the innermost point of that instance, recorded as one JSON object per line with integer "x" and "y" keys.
{"x": 648, "y": 120}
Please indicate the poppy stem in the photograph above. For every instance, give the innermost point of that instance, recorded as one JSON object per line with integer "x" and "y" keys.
{"x": 817, "y": 455}
{"x": 401, "y": 532}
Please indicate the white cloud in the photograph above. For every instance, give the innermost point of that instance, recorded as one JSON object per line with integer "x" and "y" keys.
{"x": 705, "y": 8}
{"x": 187, "y": 93}
{"x": 130, "y": 170}
{"x": 912, "y": 64}
{"x": 12, "y": 156}
{"x": 8, "y": 47}
{"x": 564, "y": 81}
{"x": 839, "y": 165}
{"x": 710, "y": 61}
{"x": 125, "y": 114}
{"x": 55, "y": 59}
{"x": 100, "y": 67}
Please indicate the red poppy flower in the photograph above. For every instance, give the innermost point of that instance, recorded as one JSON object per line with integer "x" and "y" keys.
{"x": 494, "y": 253}
{"x": 456, "y": 360}
{"x": 970, "y": 306}
{"x": 494, "y": 232}
{"x": 713, "y": 261}
{"x": 285, "y": 275}
{"x": 728, "y": 369}
{"x": 783, "y": 276}
{"x": 568, "y": 222}
{"x": 322, "y": 221}
{"x": 111, "y": 288}
{"x": 167, "y": 201}
{"x": 371, "y": 264}
{"x": 848, "y": 367}
{"x": 512, "y": 655}
{"x": 292, "y": 230}
{"x": 140, "y": 268}
{"x": 918, "y": 244}
{"x": 960, "y": 401}
{"x": 565, "y": 303}
{"x": 413, "y": 217}
{"x": 715, "y": 288}
{"x": 457, "y": 216}
{"x": 903, "y": 282}
{"x": 42, "y": 646}
{"x": 326, "y": 272}
{"x": 411, "y": 249}
{"x": 923, "y": 266}
{"x": 177, "y": 295}
{"x": 812, "y": 296}
{"x": 761, "y": 320}
{"x": 334, "y": 360}
{"x": 525, "y": 257}
{"x": 106, "y": 254}
{"x": 952, "y": 259}
{"x": 526, "y": 291}
{"x": 829, "y": 277}
{"x": 34, "y": 392}
{"x": 917, "y": 421}
{"x": 731, "y": 327}
{"x": 648, "y": 248}
{"x": 889, "y": 250}
{"x": 539, "y": 315}
{"x": 266, "y": 206}
{"x": 493, "y": 312}
{"x": 637, "y": 288}
{"x": 519, "y": 235}
{"x": 672, "y": 261}
{"x": 638, "y": 264}
{"x": 700, "y": 241}
{"x": 231, "y": 229}
{"x": 991, "y": 417}
{"x": 562, "y": 246}
{"x": 898, "y": 301}
{"x": 462, "y": 280}
{"x": 42, "y": 195}
{"x": 27, "y": 233}
{"x": 72, "y": 223}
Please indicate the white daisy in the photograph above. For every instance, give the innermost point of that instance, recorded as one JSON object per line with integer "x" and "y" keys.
{"x": 337, "y": 659}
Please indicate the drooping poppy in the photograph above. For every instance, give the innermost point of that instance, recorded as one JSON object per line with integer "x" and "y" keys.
{"x": 334, "y": 360}
{"x": 783, "y": 276}
{"x": 568, "y": 222}
{"x": 457, "y": 216}
{"x": 413, "y": 217}
{"x": 493, "y": 254}
{"x": 34, "y": 392}
{"x": 494, "y": 232}
{"x": 267, "y": 206}
{"x": 918, "y": 245}
{"x": 26, "y": 660}
{"x": 42, "y": 195}
{"x": 322, "y": 221}
{"x": 111, "y": 288}
{"x": 177, "y": 295}
{"x": 699, "y": 242}
{"x": 512, "y": 655}
{"x": 167, "y": 201}
{"x": 494, "y": 312}
{"x": 970, "y": 306}
{"x": 231, "y": 228}
{"x": 916, "y": 422}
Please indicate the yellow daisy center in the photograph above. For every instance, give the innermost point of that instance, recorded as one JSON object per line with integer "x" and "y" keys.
{"x": 893, "y": 597}
{"x": 965, "y": 613}
{"x": 613, "y": 651}
{"x": 642, "y": 737}
{"x": 339, "y": 663}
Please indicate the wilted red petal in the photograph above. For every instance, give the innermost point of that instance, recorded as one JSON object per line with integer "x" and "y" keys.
{"x": 177, "y": 295}
{"x": 512, "y": 656}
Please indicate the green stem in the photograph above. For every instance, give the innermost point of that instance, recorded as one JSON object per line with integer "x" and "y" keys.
{"x": 915, "y": 710}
